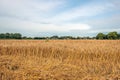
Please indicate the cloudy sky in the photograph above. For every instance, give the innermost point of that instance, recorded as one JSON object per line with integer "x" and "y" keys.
{"x": 59, "y": 17}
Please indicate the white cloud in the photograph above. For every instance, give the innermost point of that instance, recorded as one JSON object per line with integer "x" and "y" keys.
{"x": 38, "y": 10}
{"x": 29, "y": 9}
{"x": 36, "y": 16}
{"x": 105, "y": 22}
{"x": 104, "y": 30}
{"x": 82, "y": 11}
{"x": 43, "y": 5}
{"x": 37, "y": 27}
{"x": 25, "y": 9}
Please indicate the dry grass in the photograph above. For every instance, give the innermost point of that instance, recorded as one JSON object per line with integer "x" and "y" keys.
{"x": 60, "y": 60}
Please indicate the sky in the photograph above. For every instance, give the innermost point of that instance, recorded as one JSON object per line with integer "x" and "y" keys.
{"x": 59, "y": 17}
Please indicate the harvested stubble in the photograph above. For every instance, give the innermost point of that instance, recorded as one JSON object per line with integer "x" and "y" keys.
{"x": 59, "y": 59}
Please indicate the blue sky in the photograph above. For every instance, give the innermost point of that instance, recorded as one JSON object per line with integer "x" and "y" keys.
{"x": 59, "y": 17}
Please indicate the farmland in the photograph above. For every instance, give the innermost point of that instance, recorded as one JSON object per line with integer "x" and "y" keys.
{"x": 59, "y": 59}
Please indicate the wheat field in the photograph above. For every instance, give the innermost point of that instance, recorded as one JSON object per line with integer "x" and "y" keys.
{"x": 59, "y": 59}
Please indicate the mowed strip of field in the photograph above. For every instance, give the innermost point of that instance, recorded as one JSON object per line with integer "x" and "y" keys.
{"x": 59, "y": 59}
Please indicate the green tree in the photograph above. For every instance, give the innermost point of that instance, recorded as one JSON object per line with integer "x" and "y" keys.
{"x": 7, "y": 35}
{"x": 54, "y": 37}
{"x": 2, "y": 36}
{"x": 112, "y": 35}
{"x": 78, "y": 37}
{"x": 11, "y": 35}
{"x": 17, "y": 36}
{"x": 119, "y": 36}
{"x": 24, "y": 37}
{"x": 101, "y": 36}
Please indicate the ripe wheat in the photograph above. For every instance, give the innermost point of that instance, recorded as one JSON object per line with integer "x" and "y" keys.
{"x": 59, "y": 59}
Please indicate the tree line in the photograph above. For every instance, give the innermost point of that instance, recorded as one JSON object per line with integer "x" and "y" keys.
{"x": 10, "y": 36}
{"x": 110, "y": 35}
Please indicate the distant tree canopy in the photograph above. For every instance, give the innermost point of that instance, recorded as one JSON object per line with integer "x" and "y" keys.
{"x": 119, "y": 36}
{"x": 110, "y": 35}
{"x": 101, "y": 36}
{"x": 10, "y": 36}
